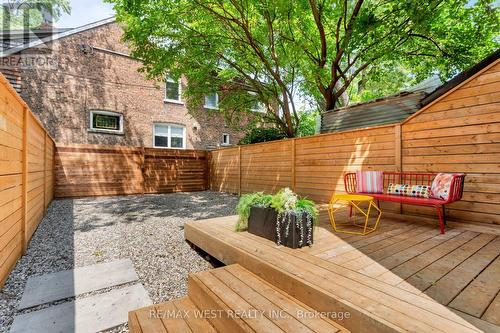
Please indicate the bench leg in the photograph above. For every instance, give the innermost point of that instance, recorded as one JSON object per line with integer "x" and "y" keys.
{"x": 444, "y": 215}
{"x": 441, "y": 218}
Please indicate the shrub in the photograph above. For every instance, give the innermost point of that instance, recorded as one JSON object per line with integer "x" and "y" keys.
{"x": 256, "y": 135}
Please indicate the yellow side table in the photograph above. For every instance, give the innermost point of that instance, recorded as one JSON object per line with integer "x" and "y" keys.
{"x": 353, "y": 201}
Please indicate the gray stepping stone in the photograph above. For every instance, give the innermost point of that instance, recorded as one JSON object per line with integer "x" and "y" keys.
{"x": 87, "y": 315}
{"x": 73, "y": 282}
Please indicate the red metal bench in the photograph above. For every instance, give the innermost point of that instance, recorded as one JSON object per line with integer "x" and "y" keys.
{"x": 456, "y": 191}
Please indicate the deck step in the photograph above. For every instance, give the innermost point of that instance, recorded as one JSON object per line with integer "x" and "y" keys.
{"x": 250, "y": 304}
{"x": 231, "y": 299}
{"x": 180, "y": 315}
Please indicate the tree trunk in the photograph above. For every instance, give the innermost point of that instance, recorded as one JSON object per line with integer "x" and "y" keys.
{"x": 330, "y": 100}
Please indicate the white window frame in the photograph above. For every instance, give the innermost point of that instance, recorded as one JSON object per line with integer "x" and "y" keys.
{"x": 228, "y": 143}
{"x": 179, "y": 85}
{"x": 169, "y": 135}
{"x": 106, "y": 113}
{"x": 216, "y": 107}
{"x": 263, "y": 107}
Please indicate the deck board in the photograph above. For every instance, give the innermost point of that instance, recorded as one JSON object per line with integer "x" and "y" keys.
{"x": 439, "y": 268}
{"x": 423, "y": 256}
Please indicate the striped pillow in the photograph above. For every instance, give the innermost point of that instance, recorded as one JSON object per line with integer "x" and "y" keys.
{"x": 369, "y": 182}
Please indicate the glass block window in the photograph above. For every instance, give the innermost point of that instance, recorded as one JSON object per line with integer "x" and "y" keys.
{"x": 106, "y": 121}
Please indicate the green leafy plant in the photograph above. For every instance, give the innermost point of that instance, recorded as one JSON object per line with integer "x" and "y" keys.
{"x": 283, "y": 201}
{"x": 246, "y": 202}
{"x": 262, "y": 134}
{"x": 309, "y": 207}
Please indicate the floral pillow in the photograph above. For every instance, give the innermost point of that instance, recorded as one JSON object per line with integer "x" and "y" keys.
{"x": 441, "y": 184}
{"x": 398, "y": 189}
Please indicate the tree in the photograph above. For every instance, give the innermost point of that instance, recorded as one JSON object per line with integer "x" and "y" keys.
{"x": 267, "y": 51}
{"x": 349, "y": 38}
{"x": 18, "y": 14}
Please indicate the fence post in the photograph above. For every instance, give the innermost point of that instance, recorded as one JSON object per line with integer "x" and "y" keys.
{"x": 143, "y": 163}
{"x": 44, "y": 172}
{"x": 208, "y": 168}
{"x": 397, "y": 154}
{"x": 293, "y": 164}
{"x": 24, "y": 182}
{"x": 239, "y": 170}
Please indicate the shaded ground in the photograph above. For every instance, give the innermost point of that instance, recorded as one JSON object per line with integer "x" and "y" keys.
{"x": 147, "y": 229}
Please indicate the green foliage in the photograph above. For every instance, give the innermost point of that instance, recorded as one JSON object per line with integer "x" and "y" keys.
{"x": 284, "y": 200}
{"x": 307, "y": 124}
{"x": 245, "y": 203}
{"x": 262, "y": 134}
{"x": 308, "y": 206}
{"x": 16, "y": 10}
{"x": 325, "y": 50}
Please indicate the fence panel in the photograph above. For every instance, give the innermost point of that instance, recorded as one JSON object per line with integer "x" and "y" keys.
{"x": 26, "y": 186}
{"x": 92, "y": 170}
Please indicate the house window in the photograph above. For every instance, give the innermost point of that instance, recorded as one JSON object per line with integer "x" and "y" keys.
{"x": 169, "y": 136}
{"x": 106, "y": 121}
{"x": 225, "y": 139}
{"x": 255, "y": 104}
{"x": 258, "y": 106}
{"x": 172, "y": 90}
{"x": 212, "y": 101}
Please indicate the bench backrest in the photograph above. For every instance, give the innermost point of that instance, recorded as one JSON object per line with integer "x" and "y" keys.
{"x": 412, "y": 178}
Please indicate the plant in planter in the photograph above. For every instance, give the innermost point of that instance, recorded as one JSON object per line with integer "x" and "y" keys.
{"x": 246, "y": 202}
{"x": 284, "y": 217}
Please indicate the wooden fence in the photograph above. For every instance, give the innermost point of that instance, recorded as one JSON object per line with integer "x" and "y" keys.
{"x": 312, "y": 166}
{"x": 459, "y": 132}
{"x": 26, "y": 176}
{"x": 91, "y": 170}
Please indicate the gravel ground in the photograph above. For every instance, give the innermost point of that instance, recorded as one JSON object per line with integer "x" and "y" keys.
{"x": 147, "y": 229}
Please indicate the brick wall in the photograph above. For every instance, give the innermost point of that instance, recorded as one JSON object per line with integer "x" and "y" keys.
{"x": 62, "y": 97}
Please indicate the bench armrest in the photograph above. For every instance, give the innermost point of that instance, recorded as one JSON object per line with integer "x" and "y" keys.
{"x": 456, "y": 188}
{"x": 350, "y": 182}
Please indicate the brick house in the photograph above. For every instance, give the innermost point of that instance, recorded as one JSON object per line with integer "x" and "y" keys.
{"x": 91, "y": 92}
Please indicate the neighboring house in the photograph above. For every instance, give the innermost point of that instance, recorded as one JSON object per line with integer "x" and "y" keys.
{"x": 90, "y": 91}
{"x": 395, "y": 108}
{"x": 382, "y": 111}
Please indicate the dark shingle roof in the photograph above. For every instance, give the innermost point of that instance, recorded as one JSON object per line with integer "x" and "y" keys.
{"x": 395, "y": 109}
{"x": 389, "y": 110}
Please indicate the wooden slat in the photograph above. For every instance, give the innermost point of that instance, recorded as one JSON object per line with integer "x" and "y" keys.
{"x": 305, "y": 283}
{"x": 90, "y": 170}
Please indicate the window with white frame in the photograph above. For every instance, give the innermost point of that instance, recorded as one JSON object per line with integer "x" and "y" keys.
{"x": 212, "y": 101}
{"x": 258, "y": 106}
{"x": 255, "y": 104}
{"x": 172, "y": 90}
{"x": 106, "y": 121}
{"x": 225, "y": 139}
{"x": 169, "y": 136}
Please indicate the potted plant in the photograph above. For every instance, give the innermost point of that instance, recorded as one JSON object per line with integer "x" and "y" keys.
{"x": 283, "y": 218}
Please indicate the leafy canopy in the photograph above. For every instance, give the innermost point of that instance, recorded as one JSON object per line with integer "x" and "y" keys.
{"x": 17, "y": 14}
{"x": 332, "y": 50}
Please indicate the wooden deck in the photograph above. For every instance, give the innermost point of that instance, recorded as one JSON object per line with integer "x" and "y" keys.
{"x": 403, "y": 277}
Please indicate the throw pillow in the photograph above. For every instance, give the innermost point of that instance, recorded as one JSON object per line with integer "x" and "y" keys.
{"x": 398, "y": 189}
{"x": 441, "y": 184}
{"x": 369, "y": 182}
{"x": 420, "y": 191}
